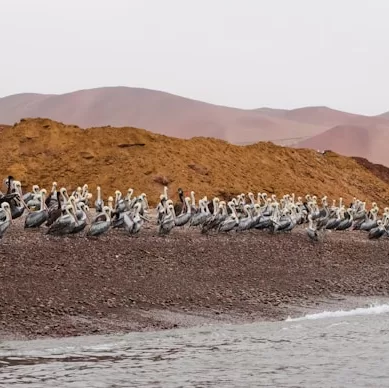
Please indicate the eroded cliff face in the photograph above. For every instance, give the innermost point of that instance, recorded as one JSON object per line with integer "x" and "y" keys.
{"x": 40, "y": 151}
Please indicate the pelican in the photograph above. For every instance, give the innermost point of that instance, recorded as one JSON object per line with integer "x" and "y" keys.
{"x": 64, "y": 224}
{"x": 37, "y": 218}
{"x": 81, "y": 218}
{"x": 110, "y": 206}
{"x": 130, "y": 202}
{"x": 311, "y": 230}
{"x": 377, "y": 232}
{"x": 193, "y": 201}
{"x": 29, "y": 196}
{"x": 246, "y": 223}
{"x": 167, "y": 222}
{"x": 347, "y": 222}
{"x": 52, "y": 197}
{"x": 120, "y": 205}
{"x": 34, "y": 201}
{"x": 55, "y": 213}
{"x": 183, "y": 219}
{"x": 231, "y": 221}
{"x": 99, "y": 202}
{"x": 17, "y": 204}
{"x": 133, "y": 223}
{"x": 369, "y": 223}
{"x": 4, "y": 225}
{"x": 200, "y": 217}
{"x": 101, "y": 223}
{"x": 220, "y": 214}
{"x": 65, "y": 197}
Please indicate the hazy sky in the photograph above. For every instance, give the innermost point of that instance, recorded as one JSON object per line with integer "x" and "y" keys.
{"x": 243, "y": 53}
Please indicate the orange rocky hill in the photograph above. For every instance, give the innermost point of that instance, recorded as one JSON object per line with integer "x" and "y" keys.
{"x": 40, "y": 151}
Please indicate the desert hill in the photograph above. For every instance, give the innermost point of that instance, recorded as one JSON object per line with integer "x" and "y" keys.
{"x": 41, "y": 151}
{"x": 161, "y": 112}
{"x": 185, "y": 118}
{"x": 352, "y": 140}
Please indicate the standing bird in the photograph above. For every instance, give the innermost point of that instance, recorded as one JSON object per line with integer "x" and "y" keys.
{"x": 4, "y": 225}
{"x": 167, "y": 222}
{"x": 311, "y": 230}
{"x": 133, "y": 222}
{"x": 184, "y": 218}
{"x": 55, "y": 213}
{"x": 36, "y": 218}
{"x": 81, "y": 218}
{"x": 99, "y": 202}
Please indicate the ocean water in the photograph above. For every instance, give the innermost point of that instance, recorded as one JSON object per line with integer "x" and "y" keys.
{"x": 328, "y": 349}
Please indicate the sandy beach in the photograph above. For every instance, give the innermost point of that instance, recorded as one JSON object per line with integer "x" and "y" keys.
{"x": 51, "y": 286}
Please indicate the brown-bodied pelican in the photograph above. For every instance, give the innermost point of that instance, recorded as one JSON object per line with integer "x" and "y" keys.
{"x": 144, "y": 202}
{"x": 34, "y": 202}
{"x": 193, "y": 201}
{"x": 101, "y": 223}
{"x": 52, "y": 197}
{"x": 369, "y": 223}
{"x": 110, "y": 206}
{"x": 81, "y": 218}
{"x": 231, "y": 221}
{"x": 65, "y": 197}
{"x": 133, "y": 222}
{"x": 245, "y": 223}
{"x": 347, "y": 222}
{"x": 184, "y": 218}
{"x": 4, "y": 225}
{"x": 120, "y": 205}
{"x": 55, "y": 212}
{"x": 377, "y": 232}
{"x": 199, "y": 217}
{"x": 64, "y": 224}
{"x": 30, "y": 195}
{"x": 17, "y": 204}
{"x": 334, "y": 222}
{"x": 130, "y": 202}
{"x": 167, "y": 222}
{"x": 220, "y": 214}
{"x": 311, "y": 230}
{"x": 36, "y": 218}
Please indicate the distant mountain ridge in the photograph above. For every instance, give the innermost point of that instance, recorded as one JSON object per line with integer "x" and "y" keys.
{"x": 161, "y": 112}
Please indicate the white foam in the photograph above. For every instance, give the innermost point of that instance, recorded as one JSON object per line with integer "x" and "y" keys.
{"x": 371, "y": 310}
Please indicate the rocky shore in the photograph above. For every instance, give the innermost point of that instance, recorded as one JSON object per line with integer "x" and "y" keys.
{"x": 72, "y": 286}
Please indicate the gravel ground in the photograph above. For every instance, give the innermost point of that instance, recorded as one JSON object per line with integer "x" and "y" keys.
{"x": 52, "y": 286}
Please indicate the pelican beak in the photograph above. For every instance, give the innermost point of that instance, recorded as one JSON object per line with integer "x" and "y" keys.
{"x": 75, "y": 218}
{"x": 144, "y": 218}
{"x": 10, "y": 215}
{"x": 22, "y": 200}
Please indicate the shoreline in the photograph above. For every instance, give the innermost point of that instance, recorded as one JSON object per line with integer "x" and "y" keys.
{"x": 70, "y": 286}
{"x": 161, "y": 320}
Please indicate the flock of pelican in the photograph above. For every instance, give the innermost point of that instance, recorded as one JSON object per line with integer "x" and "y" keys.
{"x": 65, "y": 214}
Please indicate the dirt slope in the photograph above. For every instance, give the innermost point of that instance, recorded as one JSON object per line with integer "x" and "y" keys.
{"x": 41, "y": 151}
{"x": 378, "y": 170}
